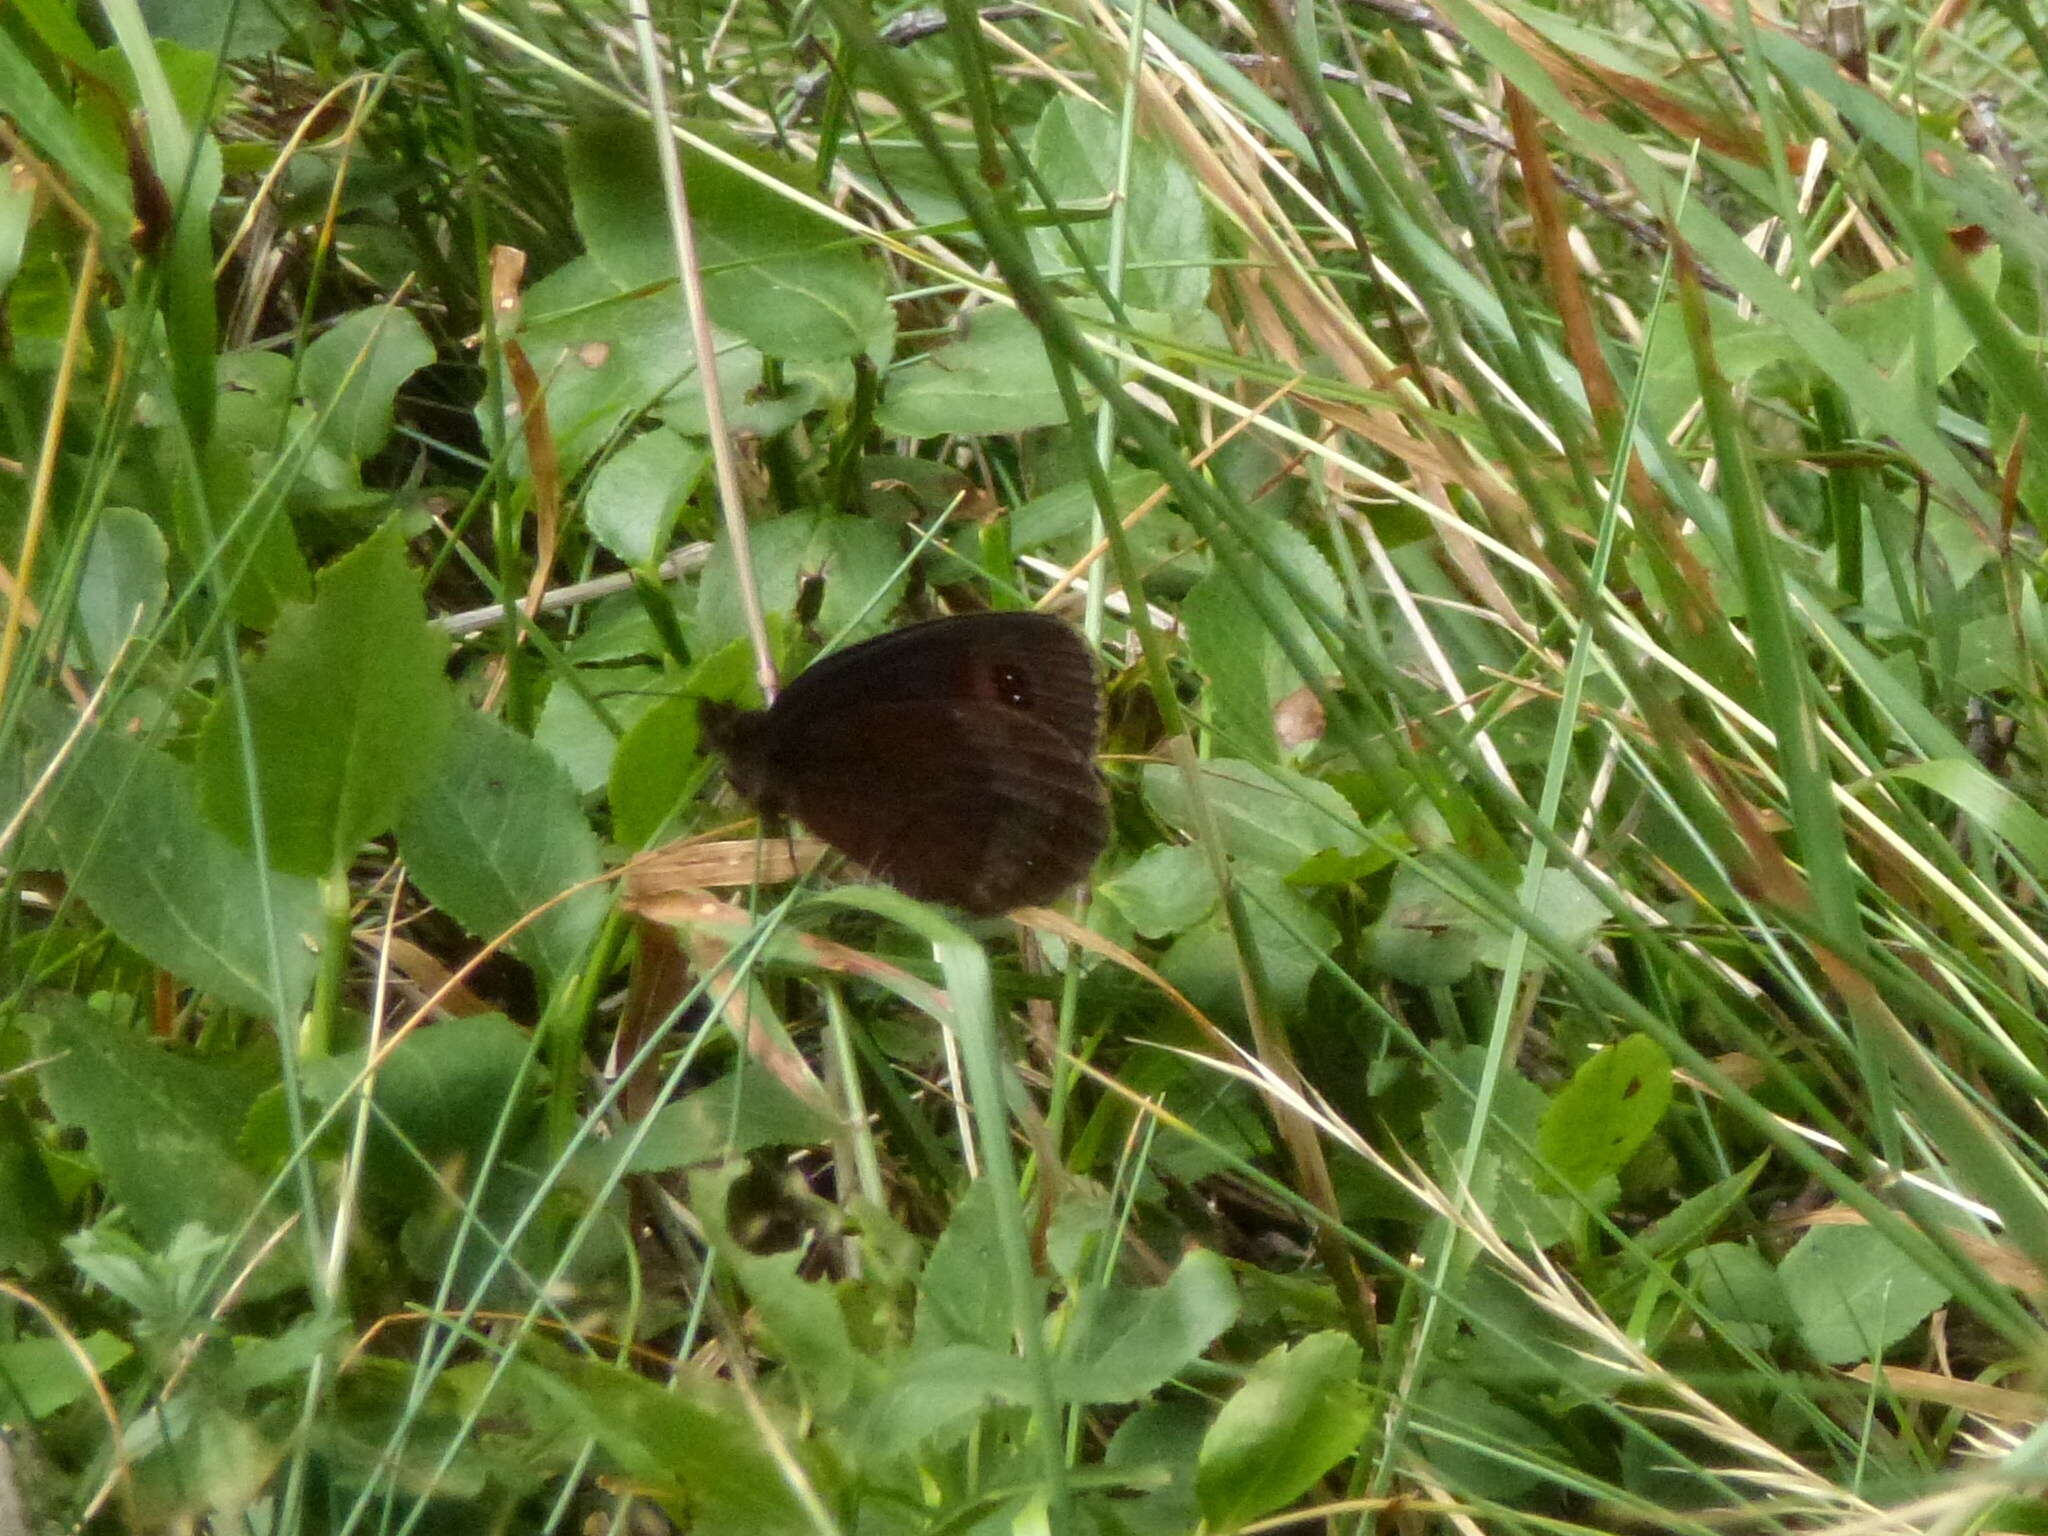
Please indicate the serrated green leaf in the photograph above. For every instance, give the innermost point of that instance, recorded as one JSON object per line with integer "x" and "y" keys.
{"x": 348, "y": 713}
{"x": 497, "y": 834}
{"x": 147, "y": 1110}
{"x": 125, "y": 825}
{"x": 1272, "y": 817}
{"x": 994, "y": 379}
{"x": 652, "y": 770}
{"x": 1132, "y": 1341}
{"x": 1854, "y": 1293}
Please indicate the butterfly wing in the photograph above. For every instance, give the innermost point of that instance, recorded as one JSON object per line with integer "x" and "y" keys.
{"x": 968, "y": 803}
{"x": 955, "y": 759}
{"x": 1032, "y": 662}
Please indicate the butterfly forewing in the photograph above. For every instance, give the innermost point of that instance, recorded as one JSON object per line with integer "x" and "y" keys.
{"x": 1031, "y": 661}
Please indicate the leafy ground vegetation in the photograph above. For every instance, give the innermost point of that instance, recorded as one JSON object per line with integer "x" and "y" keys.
{"x": 1555, "y": 1041}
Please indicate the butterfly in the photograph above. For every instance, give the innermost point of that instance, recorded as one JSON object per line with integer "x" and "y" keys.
{"x": 954, "y": 759}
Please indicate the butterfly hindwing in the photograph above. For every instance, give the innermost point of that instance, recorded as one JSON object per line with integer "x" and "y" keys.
{"x": 969, "y": 803}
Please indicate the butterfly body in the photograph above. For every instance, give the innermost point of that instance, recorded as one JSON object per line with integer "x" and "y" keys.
{"x": 954, "y": 759}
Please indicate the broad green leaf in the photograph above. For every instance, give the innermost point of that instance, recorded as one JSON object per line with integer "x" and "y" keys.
{"x": 212, "y": 1458}
{"x": 460, "y": 1242}
{"x": 584, "y": 741}
{"x": 240, "y": 538}
{"x": 607, "y": 357}
{"x": 1854, "y": 1294}
{"x": 126, "y": 827}
{"x": 352, "y": 373}
{"x": 784, "y": 277}
{"x": 1478, "y": 1440}
{"x": 963, "y": 1297}
{"x": 1154, "y": 1453}
{"x": 1167, "y": 244}
{"x": 1246, "y": 669}
{"x": 737, "y": 1114}
{"x": 1272, "y": 817}
{"x": 1169, "y": 889}
{"x": 1609, "y": 1108}
{"x": 1424, "y": 936}
{"x": 1129, "y": 1342}
{"x": 123, "y": 587}
{"x": 1290, "y": 935}
{"x": 634, "y": 497}
{"x": 387, "y": 1419}
{"x": 245, "y": 30}
{"x": 687, "y": 1441}
{"x": 860, "y": 561}
{"x": 652, "y": 770}
{"x": 160, "y": 1124}
{"x": 1300, "y": 1412}
{"x": 1883, "y": 315}
{"x": 497, "y": 834}
{"x": 32, "y": 1216}
{"x": 935, "y": 1399}
{"x": 348, "y": 713}
{"x": 1564, "y": 904}
{"x": 994, "y": 379}
{"x": 1067, "y": 510}
{"x": 437, "y": 1099}
{"x": 1740, "y": 1295}
{"x": 1228, "y": 646}
{"x": 40, "y": 1375}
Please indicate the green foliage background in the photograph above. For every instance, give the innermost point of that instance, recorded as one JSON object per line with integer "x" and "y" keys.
{"x": 1555, "y": 1041}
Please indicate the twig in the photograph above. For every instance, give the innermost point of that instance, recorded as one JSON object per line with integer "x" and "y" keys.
{"x": 679, "y": 563}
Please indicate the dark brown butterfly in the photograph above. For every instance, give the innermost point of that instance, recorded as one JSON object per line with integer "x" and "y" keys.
{"x": 954, "y": 759}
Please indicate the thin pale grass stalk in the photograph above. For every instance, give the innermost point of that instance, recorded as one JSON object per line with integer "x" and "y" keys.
{"x": 1538, "y": 1277}
{"x": 22, "y": 578}
{"x": 120, "y": 1476}
{"x": 453, "y": 1322}
{"x": 697, "y": 319}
